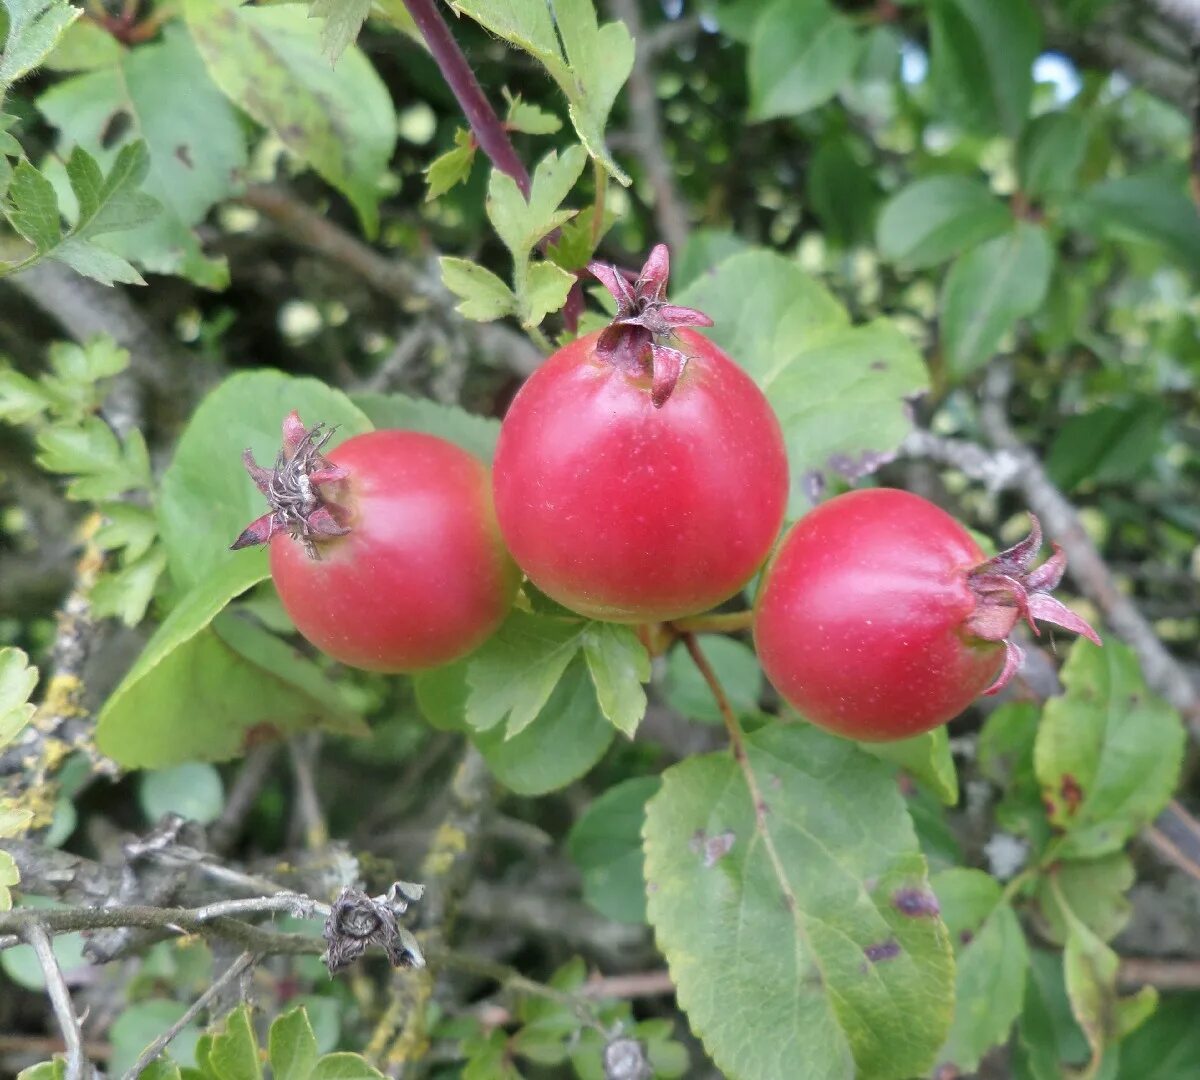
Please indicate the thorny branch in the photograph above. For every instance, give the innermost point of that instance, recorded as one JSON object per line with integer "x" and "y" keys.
{"x": 36, "y": 935}
{"x": 229, "y": 976}
{"x": 459, "y": 76}
{"x": 1013, "y": 465}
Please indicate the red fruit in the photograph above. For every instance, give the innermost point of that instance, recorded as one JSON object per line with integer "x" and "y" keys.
{"x": 385, "y": 553}
{"x": 880, "y": 618}
{"x": 638, "y": 482}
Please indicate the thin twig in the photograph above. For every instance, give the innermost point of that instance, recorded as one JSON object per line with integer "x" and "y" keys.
{"x": 310, "y": 819}
{"x": 485, "y": 124}
{"x": 1165, "y": 974}
{"x": 243, "y": 794}
{"x": 212, "y": 920}
{"x": 1013, "y": 465}
{"x": 228, "y": 976}
{"x": 1060, "y": 520}
{"x": 396, "y": 280}
{"x": 37, "y": 936}
{"x": 669, "y": 212}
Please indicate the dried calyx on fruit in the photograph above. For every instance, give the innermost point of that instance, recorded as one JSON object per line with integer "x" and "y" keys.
{"x": 1008, "y": 588}
{"x": 636, "y": 339}
{"x": 292, "y": 490}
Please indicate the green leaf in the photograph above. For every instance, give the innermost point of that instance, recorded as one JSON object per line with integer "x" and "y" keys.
{"x": 567, "y": 738}
{"x": 1050, "y": 154}
{"x": 105, "y": 204}
{"x": 483, "y": 296}
{"x": 1048, "y": 1038}
{"x": 992, "y": 965}
{"x": 737, "y": 669}
{"x": 1090, "y": 967}
{"x": 814, "y": 920}
{"x": 529, "y": 118}
{"x": 590, "y": 63}
{"x": 516, "y": 670}
{"x": 195, "y": 141}
{"x": 1107, "y": 444}
{"x": 1006, "y": 758}
{"x": 842, "y": 192}
{"x": 21, "y": 398}
{"x": 933, "y": 219}
{"x": 34, "y": 26}
{"x": 127, "y": 592}
{"x": 926, "y": 758}
{"x": 1167, "y": 1046}
{"x": 475, "y": 434}
{"x": 605, "y": 843}
{"x": 267, "y": 60}
{"x": 32, "y": 207}
{"x": 139, "y": 1025}
{"x": 104, "y": 467}
{"x": 343, "y": 21}
{"x": 544, "y": 292}
{"x": 193, "y": 790}
{"x": 522, "y": 224}
{"x": 1095, "y": 891}
{"x": 563, "y": 742}
{"x": 1108, "y": 752}
{"x": 17, "y": 680}
{"x": 47, "y": 1070}
{"x": 84, "y": 365}
{"x": 84, "y": 46}
{"x": 801, "y": 54}
{"x": 1148, "y": 208}
{"x": 452, "y": 167}
{"x": 987, "y": 290}
{"x": 578, "y": 238}
{"x": 293, "y": 1046}
{"x": 840, "y": 391}
{"x": 619, "y": 664}
{"x": 196, "y": 694}
{"x": 128, "y": 528}
{"x": 981, "y": 61}
{"x": 344, "y": 1067}
{"x": 206, "y": 497}
{"x": 233, "y": 1053}
{"x": 9, "y": 876}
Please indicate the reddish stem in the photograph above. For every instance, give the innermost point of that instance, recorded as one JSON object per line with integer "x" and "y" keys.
{"x": 489, "y": 131}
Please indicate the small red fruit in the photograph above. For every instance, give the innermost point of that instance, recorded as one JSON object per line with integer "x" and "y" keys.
{"x": 635, "y": 481}
{"x": 880, "y": 618}
{"x": 385, "y": 552}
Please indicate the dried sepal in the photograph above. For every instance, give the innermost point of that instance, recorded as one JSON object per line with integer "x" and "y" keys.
{"x": 1009, "y": 589}
{"x": 356, "y": 921}
{"x": 292, "y": 486}
{"x": 639, "y": 336}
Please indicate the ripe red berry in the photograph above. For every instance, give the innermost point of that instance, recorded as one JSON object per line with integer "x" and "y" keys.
{"x": 635, "y": 481}
{"x": 880, "y": 618}
{"x": 385, "y": 552}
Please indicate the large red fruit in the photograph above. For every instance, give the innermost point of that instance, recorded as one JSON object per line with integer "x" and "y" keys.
{"x": 638, "y": 482}
{"x": 385, "y": 553}
{"x": 880, "y": 618}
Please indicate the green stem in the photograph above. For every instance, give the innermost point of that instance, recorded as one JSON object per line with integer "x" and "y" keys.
{"x": 730, "y": 622}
